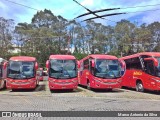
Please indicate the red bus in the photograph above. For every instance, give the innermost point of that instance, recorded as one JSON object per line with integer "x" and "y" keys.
{"x": 62, "y": 72}
{"x": 21, "y": 73}
{"x": 142, "y": 71}
{"x": 100, "y": 72}
{"x": 3, "y": 73}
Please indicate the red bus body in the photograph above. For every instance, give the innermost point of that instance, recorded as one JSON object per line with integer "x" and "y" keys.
{"x": 142, "y": 71}
{"x": 22, "y": 73}
{"x": 62, "y": 72}
{"x": 89, "y": 77}
{"x": 3, "y": 73}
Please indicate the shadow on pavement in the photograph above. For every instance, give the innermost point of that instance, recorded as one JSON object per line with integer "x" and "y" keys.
{"x": 146, "y": 91}
{"x": 67, "y": 91}
{"x": 103, "y": 90}
{"x": 37, "y": 89}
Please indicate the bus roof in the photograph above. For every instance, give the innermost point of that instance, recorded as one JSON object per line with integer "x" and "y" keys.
{"x": 156, "y": 54}
{"x": 62, "y": 57}
{"x": 101, "y": 56}
{"x": 22, "y": 58}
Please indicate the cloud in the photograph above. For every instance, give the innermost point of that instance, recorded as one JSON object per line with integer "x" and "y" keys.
{"x": 150, "y": 17}
{"x": 87, "y": 2}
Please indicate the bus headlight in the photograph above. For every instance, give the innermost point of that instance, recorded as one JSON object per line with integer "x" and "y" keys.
{"x": 74, "y": 81}
{"x": 97, "y": 80}
{"x": 157, "y": 80}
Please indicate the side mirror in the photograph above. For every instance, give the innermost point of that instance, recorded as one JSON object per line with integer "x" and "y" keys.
{"x": 155, "y": 61}
{"x": 36, "y": 66}
{"x": 123, "y": 66}
{"x": 47, "y": 64}
{"x": 78, "y": 64}
{"x": 93, "y": 63}
{"x": 5, "y": 65}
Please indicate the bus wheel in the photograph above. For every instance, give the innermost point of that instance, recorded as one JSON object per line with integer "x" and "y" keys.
{"x": 37, "y": 83}
{"x": 70, "y": 90}
{"x": 4, "y": 85}
{"x": 139, "y": 87}
{"x": 88, "y": 85}
{"x": 109, "y": 90}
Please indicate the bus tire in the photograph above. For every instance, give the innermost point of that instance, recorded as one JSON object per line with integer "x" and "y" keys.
{"x": 70, "y": 90}
{"x": 37, "y": 83}
{"x": 4, "y": 85}
{"x": 14, "y": 90}
{"x": 88, "y": 85}
{"x": 109, "y": 90}
{"x": 139, "y": 87}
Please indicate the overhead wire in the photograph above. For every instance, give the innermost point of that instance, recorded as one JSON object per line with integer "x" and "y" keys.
{"x": 93, "y": 12}
{"x": 102, "y": 10}
{"x": 22, "y": 5}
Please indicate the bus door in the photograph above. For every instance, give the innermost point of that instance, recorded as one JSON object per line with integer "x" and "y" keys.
{"x": 136, "y": 68}
{"x": 127, "y": 78}
{"x": 149, "y": 78}
{"x": 80, "y": 75}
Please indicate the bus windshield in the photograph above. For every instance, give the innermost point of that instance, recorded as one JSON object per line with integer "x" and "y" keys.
{"x": 107, "y": 68}
{"x": 63, "y": 69}
{"x": 20, "y": 70}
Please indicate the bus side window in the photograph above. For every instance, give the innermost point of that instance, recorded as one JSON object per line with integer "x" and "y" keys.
{"x": 135, "y": 63}
{"x": 149, "y": 67}
{"x": 127, "y": 64}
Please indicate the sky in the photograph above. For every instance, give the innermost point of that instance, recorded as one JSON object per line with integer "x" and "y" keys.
{"x": 69, "y": 10}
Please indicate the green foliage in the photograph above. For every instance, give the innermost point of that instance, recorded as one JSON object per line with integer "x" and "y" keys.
{"x": 48, "y": 34}
{"x": 79, "y": 56}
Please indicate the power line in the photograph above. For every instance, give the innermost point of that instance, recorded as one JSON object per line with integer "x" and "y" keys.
{"x": 91, "y": 12}
{"x": 102, "y": 10}
{"x": 104, "y": 16}
{"x": 22, "y": 5}
{"x": 140, "y": 6}
{"x": 118, "y": 14}
{"x": 142, "y": 11}
{"x": 109, "y": 9}
{"x": 133, "y": 12}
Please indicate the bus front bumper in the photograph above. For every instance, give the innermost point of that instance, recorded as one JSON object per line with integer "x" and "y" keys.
{"x": 110, "y": 84}
{"x": 63, "y": 85}
{"x": 21, "y": 84}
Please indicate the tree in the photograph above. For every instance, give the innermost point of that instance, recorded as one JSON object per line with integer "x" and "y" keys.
{"x": 124, "y": 36}
{"x": 6, "y": 34}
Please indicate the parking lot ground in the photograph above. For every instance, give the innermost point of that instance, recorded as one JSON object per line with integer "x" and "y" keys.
{"x": 81, "y": 99}
{"x": 123, "y": 94}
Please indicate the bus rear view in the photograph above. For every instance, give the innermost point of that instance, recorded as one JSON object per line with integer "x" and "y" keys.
{"x": 22, "y": 73}
{"x": 100, "y": 72}
{"x": 62, "y": 72}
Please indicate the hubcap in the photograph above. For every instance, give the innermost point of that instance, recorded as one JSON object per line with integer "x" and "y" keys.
{"x": 140, "y": 86}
